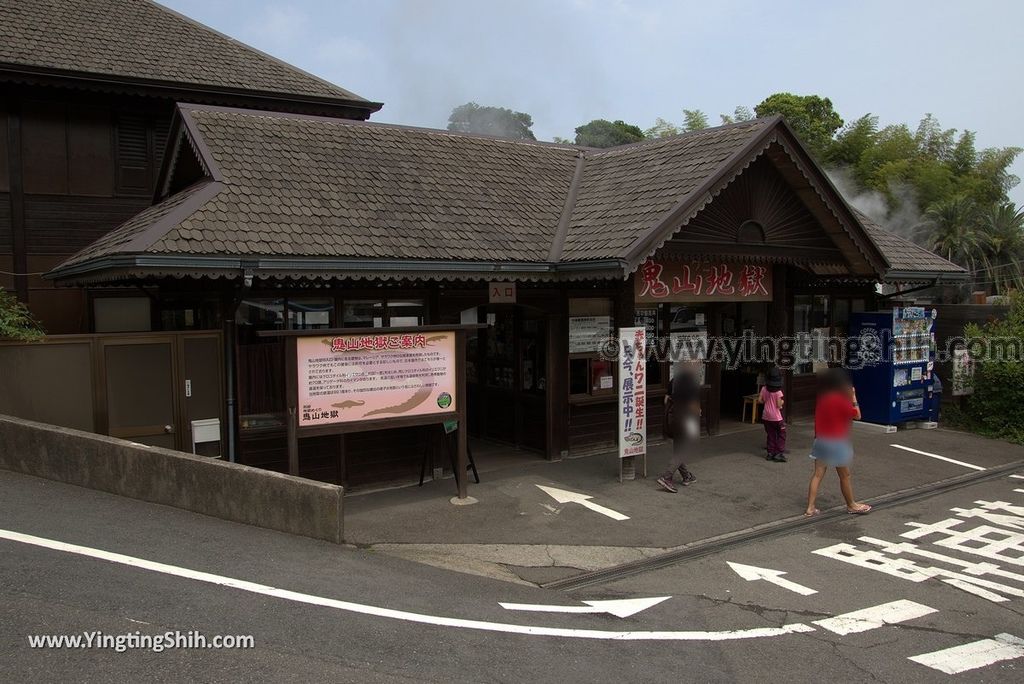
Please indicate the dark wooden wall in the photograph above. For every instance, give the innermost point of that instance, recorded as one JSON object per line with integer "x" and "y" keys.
{"x": 75, "y": 165}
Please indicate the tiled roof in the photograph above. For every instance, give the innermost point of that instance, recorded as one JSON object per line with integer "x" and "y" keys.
{"x": 140, "y": 40}
{"x": 626, "y": 190}
{"x": 902, "y": 254}
{"x": 300, "y": 187}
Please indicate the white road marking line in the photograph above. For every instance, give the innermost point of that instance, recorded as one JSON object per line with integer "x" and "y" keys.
{"x": 941, "y": 458}
{"x": 973, "y": 655}
{"x": 252, "y": 587}
{"x": 752, "y": 573}
{"x": 875, "y": 617}
{"x": 622, "y": 608}
{"x": 1021, "y": 491}
{"x": 565, "y": 496}
{"x": 1017, "y": 477}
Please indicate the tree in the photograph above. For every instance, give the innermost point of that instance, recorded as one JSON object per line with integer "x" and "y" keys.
{"x": 856, "y": 138}
{"x": 16, "y": 323}
{"x": 951, "y": 228}
{"x": 694, "y": 120}
{"x": 604, "y": 133}
{"x": 811, "y": 117}
{"x": 1002, "y": 230}
{"x": 662, "y": 129}
{"x": 740, "y": 114}
{"x": 497, "y": 121}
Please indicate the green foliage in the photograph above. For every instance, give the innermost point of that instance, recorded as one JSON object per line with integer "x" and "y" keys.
{"x": 738, "y": 115}
{"x": 996, "y": 408}
{"x": 662, "y": 129}
{"x": 959, "y": 192}
{"x": 694, "y": 120}
{"x": 950, "y": 228}
{"x": 811, "y": 117}
{"x": 16, "y": 323}
{"x": 603, "y": 133}
{"x": 497, "y": 121}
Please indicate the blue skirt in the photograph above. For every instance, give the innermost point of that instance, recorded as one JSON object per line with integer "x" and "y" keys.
{"x": 832, "y": 452}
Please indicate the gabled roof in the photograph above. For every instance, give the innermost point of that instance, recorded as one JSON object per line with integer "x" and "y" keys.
{"x": 140, "y": 41}
{"x": 299, "y": 196}
{"x": 905, "y": 258}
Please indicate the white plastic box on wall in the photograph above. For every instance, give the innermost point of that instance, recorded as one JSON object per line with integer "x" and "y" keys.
{"x": 204, "y": 432}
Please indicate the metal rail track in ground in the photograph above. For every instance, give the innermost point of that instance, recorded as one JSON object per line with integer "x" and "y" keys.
{"x": 707, "y": 547}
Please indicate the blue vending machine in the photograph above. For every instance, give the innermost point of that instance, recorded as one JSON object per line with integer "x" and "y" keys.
{"x": 895, "y": 353}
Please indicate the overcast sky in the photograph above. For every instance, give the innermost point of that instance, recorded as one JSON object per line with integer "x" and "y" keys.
{"x": 566, "y": 62}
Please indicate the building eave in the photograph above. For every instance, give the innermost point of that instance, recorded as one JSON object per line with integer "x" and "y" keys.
{"x": 176, "y": 90}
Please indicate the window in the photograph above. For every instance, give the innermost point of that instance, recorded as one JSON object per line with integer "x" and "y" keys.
{"x": 121, "y": 314}
{"x": 811, "y": 316}
{"x": 310, "y": 314}
{"x": 261, "y": 366}
{"x": 189, "y": 314}
{"x": 688, "y": 335}
{"x": 650, "y": 319}
{"x": 590, "y": 327}
{"x": 379, "y": 313}
{"x": 841, "y": 310}
{"x": 363, "y": 314}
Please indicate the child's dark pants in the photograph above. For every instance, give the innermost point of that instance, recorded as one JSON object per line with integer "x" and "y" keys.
{"x": 775, "y": 430}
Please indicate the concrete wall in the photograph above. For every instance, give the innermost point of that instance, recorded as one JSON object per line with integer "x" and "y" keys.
{"x": 194, "y": 483}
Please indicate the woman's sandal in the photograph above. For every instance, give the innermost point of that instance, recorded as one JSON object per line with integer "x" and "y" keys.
{"x": 811, "y": 514}
{"x": 863, "y": 510}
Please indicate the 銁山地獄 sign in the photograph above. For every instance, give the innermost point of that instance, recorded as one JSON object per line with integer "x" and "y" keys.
{"x": 697, "y": 281}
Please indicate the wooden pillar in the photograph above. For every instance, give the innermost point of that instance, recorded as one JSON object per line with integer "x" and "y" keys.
{"x": 780, "y": 321}
{"x": 625, "y": 307}
{"x": 462, "y": 461}
{"x": 17, "y": 200}
{"x": 714, "y": 371}
{"x": 292, "y": 404}
{"x": 556, "y": 439}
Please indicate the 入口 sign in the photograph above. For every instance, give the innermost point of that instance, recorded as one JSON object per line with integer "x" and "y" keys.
{"x": 632, "y": 392}
{"x": 501, "y": 293}
{"x": 695, "y": 281}
{"x": 368, "y": 377}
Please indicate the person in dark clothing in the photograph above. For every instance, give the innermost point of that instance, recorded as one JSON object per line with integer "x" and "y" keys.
{"x": 684, "y": 393}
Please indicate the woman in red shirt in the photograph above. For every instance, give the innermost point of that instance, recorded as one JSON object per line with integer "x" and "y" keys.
{"x": 833, "y": 415}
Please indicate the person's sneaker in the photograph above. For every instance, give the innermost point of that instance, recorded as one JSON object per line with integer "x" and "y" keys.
{"x": 667, "y": 485}
{"x": 780, "y": 458}
{"x": 688, "y": 478}
{"x": 769, "y": 457}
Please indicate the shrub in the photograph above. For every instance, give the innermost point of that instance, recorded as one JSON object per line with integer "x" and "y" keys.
{"x": 16, "y": 322}
{"x": 996, "y": 408}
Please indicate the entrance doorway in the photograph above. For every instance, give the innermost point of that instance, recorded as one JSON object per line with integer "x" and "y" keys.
{"x": 506, "y": 374}
{"x": 747, "y": 321}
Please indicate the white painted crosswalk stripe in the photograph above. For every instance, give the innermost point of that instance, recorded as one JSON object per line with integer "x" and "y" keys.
{"x": 875, "y": 617}
{"x": 973, "y": 655}
{"x": 936, "y": 456}
{"x": 1017, "y": 477}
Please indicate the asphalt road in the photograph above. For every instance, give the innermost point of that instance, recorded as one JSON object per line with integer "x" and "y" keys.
{"x": 309, "y": 638}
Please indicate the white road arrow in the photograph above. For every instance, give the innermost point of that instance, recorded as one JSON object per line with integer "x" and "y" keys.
{"x": 563, "y": 496}
{"x": 622, "y": 608}
{"x": 752, "y": 573}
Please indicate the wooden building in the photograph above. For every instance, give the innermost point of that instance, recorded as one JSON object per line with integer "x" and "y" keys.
{"x": 87, "y": 92}
{"x": 277, "y": 220}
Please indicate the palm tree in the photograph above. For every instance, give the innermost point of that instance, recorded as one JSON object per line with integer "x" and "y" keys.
{"x": 950, "y": 227}
{"x": 1002, "y": 229}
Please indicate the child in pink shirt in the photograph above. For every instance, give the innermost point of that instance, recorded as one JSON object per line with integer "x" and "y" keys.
{"x": 774, "y": 426}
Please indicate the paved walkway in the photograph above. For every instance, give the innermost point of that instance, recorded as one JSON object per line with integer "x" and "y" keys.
{"x": 519, "y": 532}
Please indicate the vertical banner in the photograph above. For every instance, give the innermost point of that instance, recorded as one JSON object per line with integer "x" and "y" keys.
{"x": 632, "y": 392}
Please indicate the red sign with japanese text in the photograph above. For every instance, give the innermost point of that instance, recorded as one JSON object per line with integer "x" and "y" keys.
{"x": 700, "y": 281}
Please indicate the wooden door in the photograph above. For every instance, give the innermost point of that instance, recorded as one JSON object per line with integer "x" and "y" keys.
{"x": 141, "y": 403}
